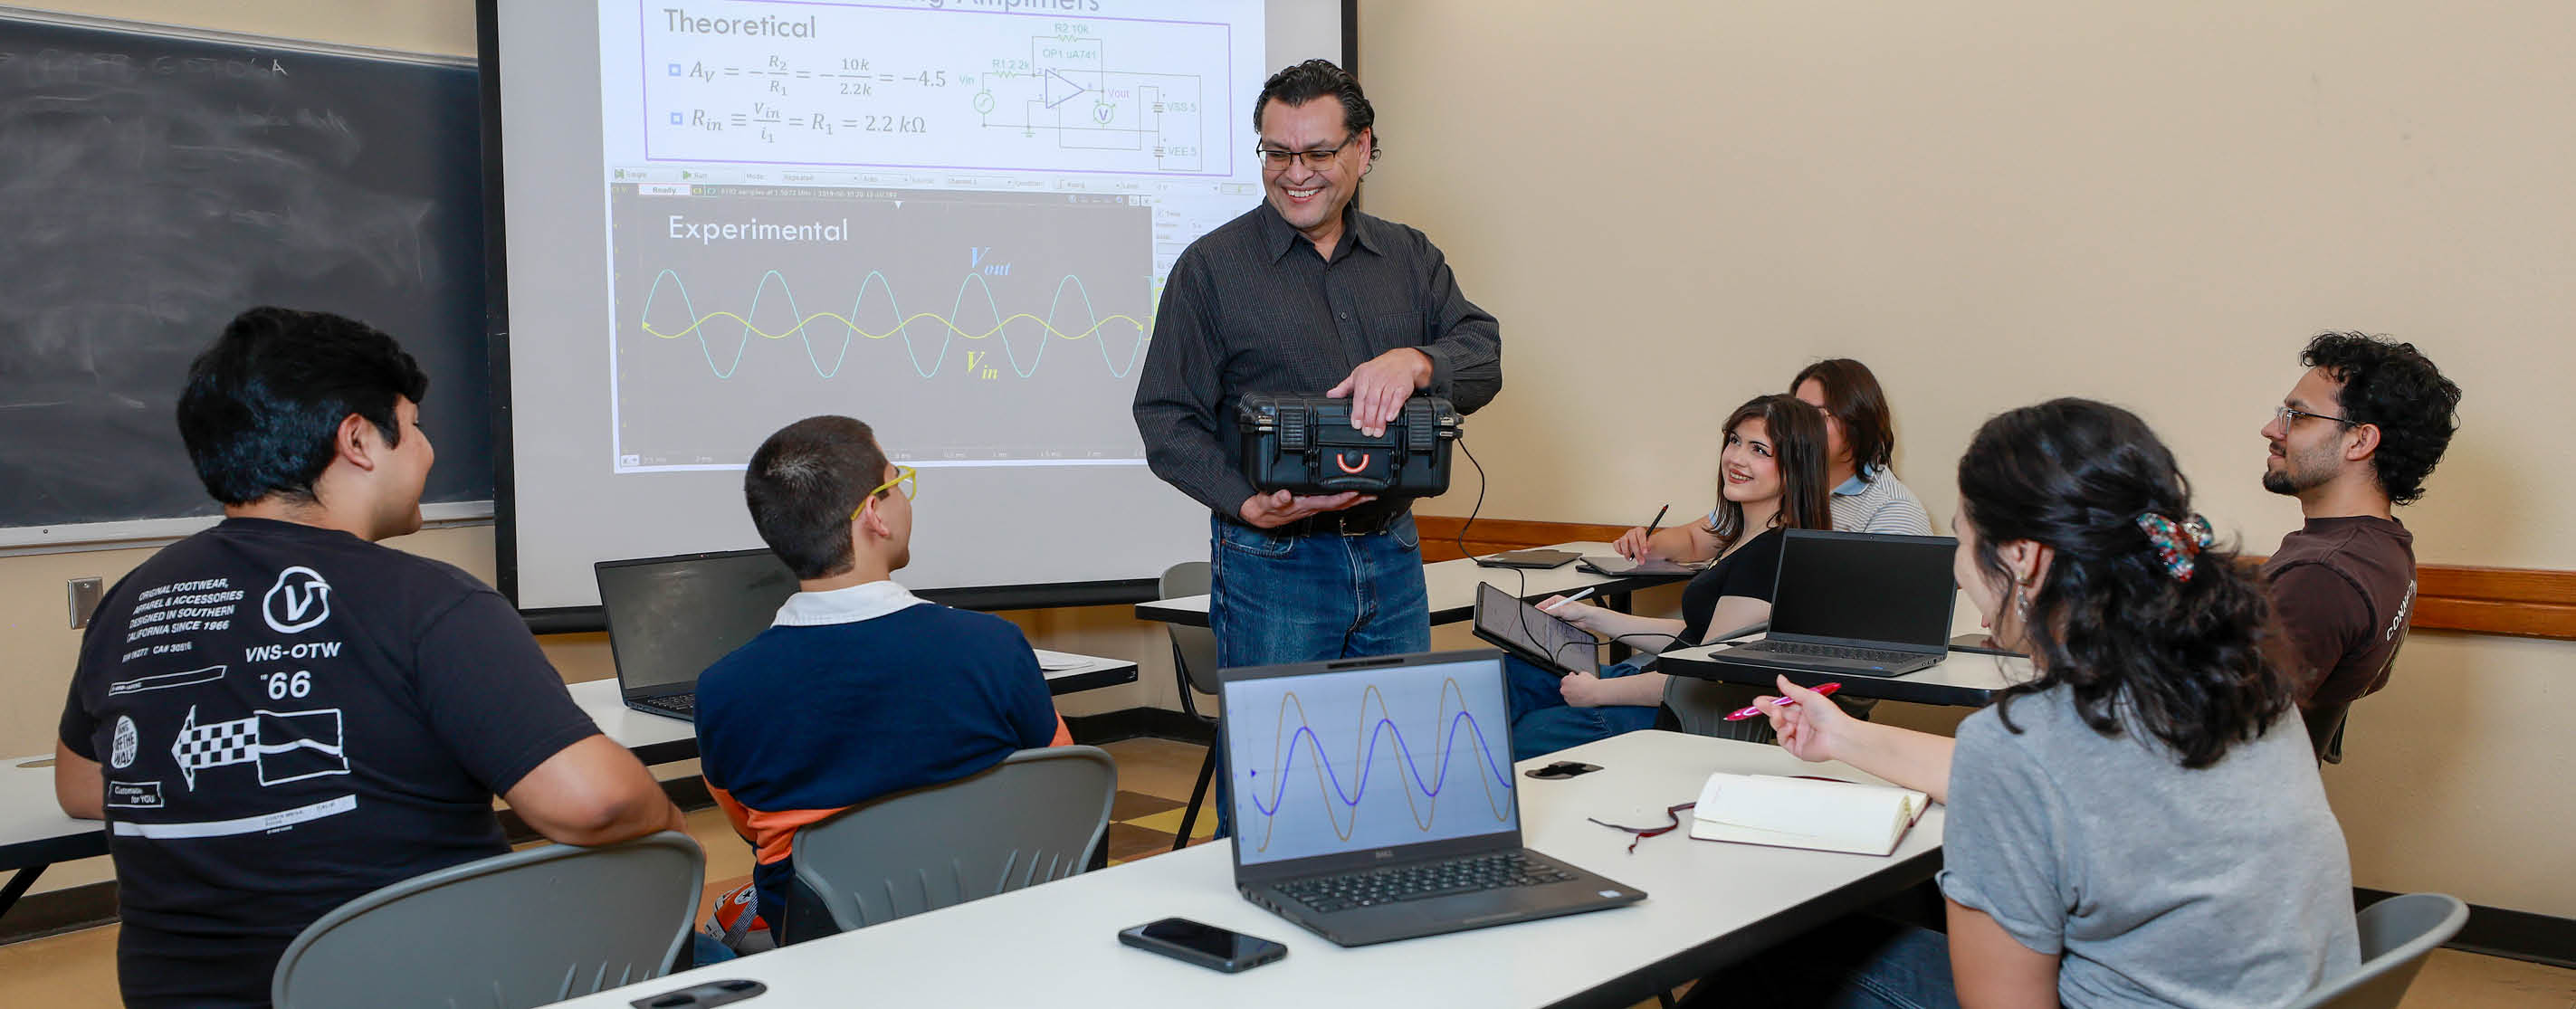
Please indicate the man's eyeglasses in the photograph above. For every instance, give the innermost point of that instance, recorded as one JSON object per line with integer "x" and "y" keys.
{"x": 1316, "y": 159}
{"x": 2290, "y": 415}
{"x": 906, "y": 479}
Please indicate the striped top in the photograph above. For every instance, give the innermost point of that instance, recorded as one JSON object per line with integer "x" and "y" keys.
{"x": 1879, "y": 503}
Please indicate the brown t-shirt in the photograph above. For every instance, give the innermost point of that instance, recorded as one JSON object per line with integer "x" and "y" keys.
{"x": 2343, "y": 588}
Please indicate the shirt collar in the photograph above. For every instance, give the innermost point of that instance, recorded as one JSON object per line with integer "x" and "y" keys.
{"x": 1859, "y": 481}
{"x": 845, "y": 606}
{"x": 1278, "y": 238}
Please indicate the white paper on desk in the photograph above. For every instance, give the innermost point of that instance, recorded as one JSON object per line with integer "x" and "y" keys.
{"x": 1056, "y": 662}
{"x": 1804, "y": 813}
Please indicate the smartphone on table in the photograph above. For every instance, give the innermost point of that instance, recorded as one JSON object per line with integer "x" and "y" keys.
{"x": 1202, "y": 944}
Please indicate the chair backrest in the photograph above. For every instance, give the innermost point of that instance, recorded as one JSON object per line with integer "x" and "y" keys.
{"x": 2396, "y": 935}
{"x": 1193, "y": 648}
{"x": 1033, "y": 818}
{"x": 527, "y": 928}
{"x": 1701, "y": 707}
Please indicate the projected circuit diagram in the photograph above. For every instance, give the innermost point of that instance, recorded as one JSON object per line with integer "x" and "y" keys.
{"x": 878, "y": 87}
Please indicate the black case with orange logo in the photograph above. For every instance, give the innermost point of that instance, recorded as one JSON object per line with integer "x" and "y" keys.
{"x": 1306, "y": 445}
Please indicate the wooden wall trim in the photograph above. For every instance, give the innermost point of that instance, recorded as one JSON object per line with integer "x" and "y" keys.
{"x": 2523, "y": 602}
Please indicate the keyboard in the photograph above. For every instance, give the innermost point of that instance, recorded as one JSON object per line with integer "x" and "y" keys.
{"x": 1832, "y": 651}
{"x": 677, "y": 704}
{"x": 1424, "y": 880}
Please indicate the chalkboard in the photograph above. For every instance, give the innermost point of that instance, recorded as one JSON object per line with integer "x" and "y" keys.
{"x": 155, "y": 183}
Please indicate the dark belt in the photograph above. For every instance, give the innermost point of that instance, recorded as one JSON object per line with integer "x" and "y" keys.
{"x": 1341, "y": 523}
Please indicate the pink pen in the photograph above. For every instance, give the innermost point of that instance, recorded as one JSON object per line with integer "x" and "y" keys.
{"x": 1751, "y": 710}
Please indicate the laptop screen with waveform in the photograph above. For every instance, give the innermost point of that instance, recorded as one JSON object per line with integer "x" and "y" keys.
{"x": 1350, "y": 760}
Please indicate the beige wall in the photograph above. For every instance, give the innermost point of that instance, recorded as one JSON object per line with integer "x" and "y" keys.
{"x": 1997, "y": 202}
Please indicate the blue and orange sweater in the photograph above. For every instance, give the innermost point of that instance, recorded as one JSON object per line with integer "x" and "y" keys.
{"x": 812, "y": 717}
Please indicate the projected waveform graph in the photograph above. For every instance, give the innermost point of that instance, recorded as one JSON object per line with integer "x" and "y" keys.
{"x": 966, "y": 327}
{"x": 1341, "y": 801}
{"x": 1048, "y": 330}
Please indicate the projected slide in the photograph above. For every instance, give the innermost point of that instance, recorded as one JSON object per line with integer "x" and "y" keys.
{"x": 965, "y": 326}
{"x": 963, "y": 86}
{"x": 1347, "y": 761}
{"x": 951, "y": 220}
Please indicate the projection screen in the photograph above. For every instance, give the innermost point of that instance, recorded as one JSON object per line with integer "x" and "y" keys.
{"x": 950, "y": 219}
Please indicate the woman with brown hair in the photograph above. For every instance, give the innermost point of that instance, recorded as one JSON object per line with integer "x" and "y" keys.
{"x": 1860, "y": 444}
{"x": 1771, "y": 476}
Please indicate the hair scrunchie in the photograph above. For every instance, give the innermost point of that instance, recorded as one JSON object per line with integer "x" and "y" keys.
{"x": 2177, "y": 543}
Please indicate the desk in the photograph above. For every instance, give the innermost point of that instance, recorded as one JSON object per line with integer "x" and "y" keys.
{"x": 35, "y": 834}
{"x": 1708, "y": 904}
{"x": 1451, "y": 587}
{"x": 1963, "y": 679}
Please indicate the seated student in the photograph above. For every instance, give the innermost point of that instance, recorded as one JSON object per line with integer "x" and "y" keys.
{"x": 277, "y": 715}
{"x": 2099, "y": 848}
{"x": 1771, "y": 476}
{"x": 2355, "y": 437}
{"x": 860, "y": 688}
{"x": 1860, "y": 438}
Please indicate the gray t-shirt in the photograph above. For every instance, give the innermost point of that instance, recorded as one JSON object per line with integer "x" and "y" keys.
{"x": 2225, "y": 886}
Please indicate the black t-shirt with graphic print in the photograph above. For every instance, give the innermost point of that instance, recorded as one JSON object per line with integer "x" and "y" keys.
{"x": 287, "y": 718}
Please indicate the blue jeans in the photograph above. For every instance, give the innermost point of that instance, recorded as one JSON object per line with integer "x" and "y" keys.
{"x": 1543, "y": 723}
{"x": 1280, "y": 599}
{"x": 1858, "y": 962}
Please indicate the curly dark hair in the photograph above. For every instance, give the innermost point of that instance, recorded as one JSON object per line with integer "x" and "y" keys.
{"x": 2394, "y": 387}
{"x": 1314, "y": 79}
{"x": 2186, "y": 661}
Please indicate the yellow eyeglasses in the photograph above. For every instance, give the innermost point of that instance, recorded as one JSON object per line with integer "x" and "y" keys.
{"x": 906, "y": 479}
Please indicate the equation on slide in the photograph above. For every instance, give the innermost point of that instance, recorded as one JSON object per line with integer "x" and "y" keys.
{"x": 853, "y": 85}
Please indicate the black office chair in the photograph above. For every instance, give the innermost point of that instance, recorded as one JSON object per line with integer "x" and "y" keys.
{"x": 1194, "y": 668}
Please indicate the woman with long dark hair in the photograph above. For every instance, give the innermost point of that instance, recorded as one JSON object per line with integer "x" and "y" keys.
{"x": 2141, "y": 824}
{"x": 1771, "y": 476}
{"x": 1860, "y": 448}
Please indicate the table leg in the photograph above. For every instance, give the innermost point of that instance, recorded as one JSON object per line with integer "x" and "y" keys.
{"x": 17, "y": 886}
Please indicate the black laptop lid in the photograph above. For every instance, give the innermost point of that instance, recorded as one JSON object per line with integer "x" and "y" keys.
{"x": 1882, "y": 590}
{"x": 1342, "y": 764}
{"x": 669, "y": 618}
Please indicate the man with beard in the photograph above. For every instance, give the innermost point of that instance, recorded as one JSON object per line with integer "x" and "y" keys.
{"x": 2356, "y": 437}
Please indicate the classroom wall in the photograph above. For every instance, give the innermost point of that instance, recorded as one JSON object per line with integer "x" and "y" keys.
{"x": 1673, "y": 206}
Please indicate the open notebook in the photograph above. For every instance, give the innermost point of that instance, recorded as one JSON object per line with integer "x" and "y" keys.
{"x": 1810, "y": 813}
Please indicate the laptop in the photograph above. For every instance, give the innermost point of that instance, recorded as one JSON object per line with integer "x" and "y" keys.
{"x": 1856, "y": 604}
{"x": 1620, "y": 567}
{"x": 1374, "y": 800}
{"x": 1534, "y": 560}
{"x": 1534, "y": 635}
{"x": 669, "y": 618}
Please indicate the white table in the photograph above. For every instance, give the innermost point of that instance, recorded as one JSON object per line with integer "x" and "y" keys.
{"x": 34, "y": 833}
{"x": 1963, "y": 679}
{"x": 1708, "y": 904}
{"x": 1450, "y": 586}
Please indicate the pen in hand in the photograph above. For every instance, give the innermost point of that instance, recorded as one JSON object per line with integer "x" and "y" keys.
{"x": 1751, "y": 710}
{"x": 1645, "y": 549}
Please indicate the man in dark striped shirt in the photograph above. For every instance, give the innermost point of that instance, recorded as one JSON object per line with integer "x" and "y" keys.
{"x": 1305, "y": 295}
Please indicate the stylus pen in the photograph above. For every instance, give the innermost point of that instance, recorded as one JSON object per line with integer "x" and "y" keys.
{"x": 1659, "y": 518}
{"x": 1567, "y": 601}
{"x": 1751, "y": 710}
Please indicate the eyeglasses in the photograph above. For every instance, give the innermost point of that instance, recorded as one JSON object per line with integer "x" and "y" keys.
{"x": 2290, "y": 415}
{"x": 1317, "y": 159}
{"x": 906, "y": 479}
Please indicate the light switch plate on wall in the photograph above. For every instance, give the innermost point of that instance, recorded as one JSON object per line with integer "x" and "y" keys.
{"x": 84, "y": 599}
